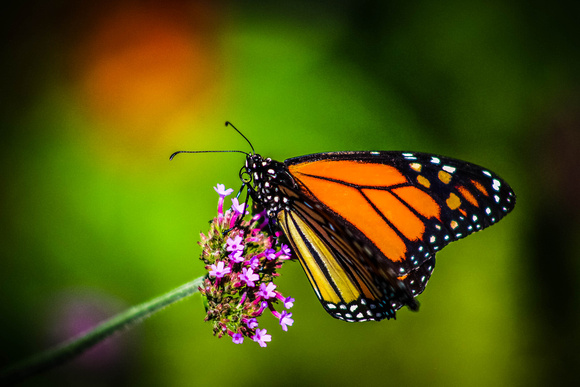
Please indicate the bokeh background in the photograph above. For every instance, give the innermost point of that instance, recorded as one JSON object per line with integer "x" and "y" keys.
{"x": 94, "y": 218}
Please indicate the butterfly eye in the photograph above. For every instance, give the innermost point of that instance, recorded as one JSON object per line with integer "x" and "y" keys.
{"x": 245, "y": 176}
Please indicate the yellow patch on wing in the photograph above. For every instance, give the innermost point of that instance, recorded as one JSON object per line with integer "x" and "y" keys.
{"x": 423, "y": 181}
{"x": 453, "y": 201}
{"x": 416, "y": 167}
{"x": 322, "y": 268}
{"x": 445, "y": 177}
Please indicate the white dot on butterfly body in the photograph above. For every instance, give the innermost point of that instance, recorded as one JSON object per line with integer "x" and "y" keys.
{"x": 448, "y": 168}
{"x": 496, "y": 184}
{"x": 435, "y": 160}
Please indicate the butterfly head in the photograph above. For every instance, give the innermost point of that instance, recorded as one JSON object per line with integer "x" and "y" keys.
{"x": 264, "y": 176}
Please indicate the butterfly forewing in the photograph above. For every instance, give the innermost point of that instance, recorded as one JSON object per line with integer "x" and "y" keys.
{"x": 409, "y": 205}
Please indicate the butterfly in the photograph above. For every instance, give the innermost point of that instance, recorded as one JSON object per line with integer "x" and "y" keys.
{"x": 366, "y": 225}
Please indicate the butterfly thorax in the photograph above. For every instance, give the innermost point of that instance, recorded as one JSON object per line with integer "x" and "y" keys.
{"x": 267, "y": 176}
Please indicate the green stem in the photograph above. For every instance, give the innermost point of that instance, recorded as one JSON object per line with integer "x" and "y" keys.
{"x": 79, "y": 344}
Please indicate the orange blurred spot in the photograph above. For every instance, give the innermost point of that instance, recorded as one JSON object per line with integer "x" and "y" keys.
{"x": 143, "y": 65}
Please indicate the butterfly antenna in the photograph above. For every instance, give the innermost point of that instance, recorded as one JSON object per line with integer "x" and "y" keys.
{"x": 211, "y": 151}
{"x": 241, "y": 134}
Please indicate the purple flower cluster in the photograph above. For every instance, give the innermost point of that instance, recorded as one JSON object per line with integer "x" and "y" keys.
{"x": 242, "y": 265}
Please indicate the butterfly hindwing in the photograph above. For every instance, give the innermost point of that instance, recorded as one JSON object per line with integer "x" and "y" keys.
{"x": 341, "y": 273}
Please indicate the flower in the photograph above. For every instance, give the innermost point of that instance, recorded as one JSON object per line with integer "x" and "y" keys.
{"x": 237, "y": 256}
{"x": 242, "y": 258}
{"x": 252, "y": 323}
{"x": 254, "y": 262}
{"x": 239, "y": 208}
{"x": 249, "y": 277}
{"x": 261, "y": 337}
{"x": 270, "y": 254}
{"x": 288, "y": 302}
{"x": 267, "y": 290}
{"x": 285, "y": 250}
{"x": 222, "y": 191}
{"x": 238, "y": 338}
{"x": 285, "y": 319}
{"x": 219, "y": 270}
{"x": 235, "y": 244}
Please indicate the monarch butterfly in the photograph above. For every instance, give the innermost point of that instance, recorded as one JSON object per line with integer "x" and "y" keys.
{"x": 366, "y": 225}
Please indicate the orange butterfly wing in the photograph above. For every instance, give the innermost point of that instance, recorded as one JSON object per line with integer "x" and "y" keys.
{"x": 366, "y": 225}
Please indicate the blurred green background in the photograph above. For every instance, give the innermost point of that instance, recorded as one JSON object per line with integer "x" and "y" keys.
{"x": 94, "y": 218}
